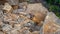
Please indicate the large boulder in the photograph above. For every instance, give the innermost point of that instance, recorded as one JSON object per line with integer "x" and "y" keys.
{"x": 51, "y": 24}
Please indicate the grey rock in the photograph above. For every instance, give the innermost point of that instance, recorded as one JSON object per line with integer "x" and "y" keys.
{"x": 13, "y": 2}
{"x": 23, "y": 5}
{"x": 1, "y": 32}
{"x": 21, "y": 19}
{"x": 51, "y": 21}
{"x": 26, "y": 32}
{"x": 30, "y": 23}
{"x": 31, "y": 1}
{"x": 17, "y": 26}
{"x": 58, "y": 32}
{"x": 51, "y": 17}
{"x": 32, "y": 26}
{"x": 13, "y": 31}
{"x": 1, "y": 6}
{"x": 1, "y": 15}
{"x": 18, "y": 11}
{"x": 6, "y": 27}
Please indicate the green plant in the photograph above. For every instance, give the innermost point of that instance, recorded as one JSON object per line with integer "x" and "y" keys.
{"x": 54, "y": 6}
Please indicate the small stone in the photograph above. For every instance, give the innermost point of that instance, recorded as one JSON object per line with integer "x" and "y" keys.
{"x": 17, "y": 26}
{"x": 1, "y": 7}
{"x": 7, "y": 7}
{"x": 23, "y": 5}
{"x": 1, "y": 15}
{"x": 35, "y": 32}
{"x": 58, "y": 32}
{"x": 14, "y": 32}
{"x": 30, "y": 23}
{"x": 13, "y": 2}
{"x": 18, "y": 11}
{"x": 25, "y": 30}
{"x": 6, "y": 27}
{"x": 32, "y": 26}
{"x": 1, "y": 32}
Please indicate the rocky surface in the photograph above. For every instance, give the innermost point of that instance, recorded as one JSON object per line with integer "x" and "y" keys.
{"x": 51, "y": 24}
{"x": 25, "y": 18}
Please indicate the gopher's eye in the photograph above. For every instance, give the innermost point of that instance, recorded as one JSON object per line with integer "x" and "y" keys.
{"x": 31, "y": 16}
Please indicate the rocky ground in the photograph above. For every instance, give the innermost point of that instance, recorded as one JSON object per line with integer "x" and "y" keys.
{"x": 25, "y": 18}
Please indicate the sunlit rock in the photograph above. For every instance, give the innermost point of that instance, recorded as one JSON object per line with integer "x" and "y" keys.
{"x": 51, "y": 25}
{"x": 7, "y": 7}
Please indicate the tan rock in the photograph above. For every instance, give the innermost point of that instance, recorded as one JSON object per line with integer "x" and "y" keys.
{"x": 1, "y": 32}
{"x": 11, "y": 17}
{"x": 35, "y": 32}
{"x": 51, "y": 25}
{"x": 23, "y": 5}
{"x": 25, "y": 30}
{"x": 7, "y": 7}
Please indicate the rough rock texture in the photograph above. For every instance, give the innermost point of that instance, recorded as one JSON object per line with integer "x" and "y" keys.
{"x": 7, "y": 7}
{"x": 51, "y": 25}
{"x": 25, "y": 18}
{"x": 13, "y": 2}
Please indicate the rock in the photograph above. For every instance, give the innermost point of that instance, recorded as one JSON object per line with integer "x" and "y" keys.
{"x": 1, "y": 23}
{"x": 13, "y": 2}
{"x": 18, "y": 11}
{"x": 17, "y": 26}
{"x": 35, "y": 32}
{"x": 1, "y": 32}
{"x": 1, "y": 7}
{"x": 24, "y": 18}
{"x": 50, "y": 25}
{"x": 32, "y": 26}
{"x": 51, "y": 17}
{"x": 23, "y": 5}
{"x": 13, "y": 31}
{"x": 21, "y": 19}
{"x": 31, "y": 1}
{"x": 58, "y": 32}
{"x": 10, "y": 17}
{"x": 6, "y": 27}
{"x": 24, "y": 30}
{"x": 7, "y": 7}
{"x": 30, "y": 23}
{"x": 1, "y": 15}
{"x": 2, "y": 2}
